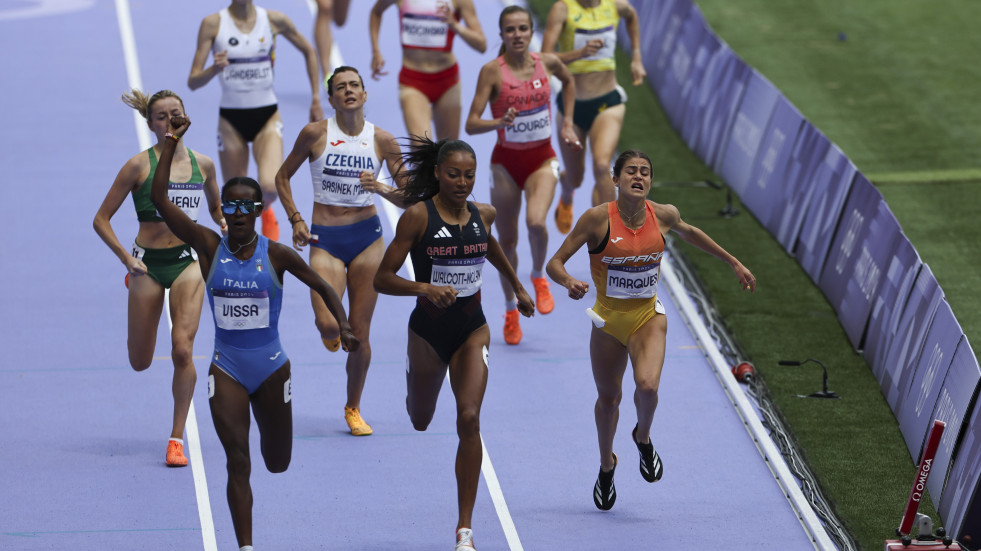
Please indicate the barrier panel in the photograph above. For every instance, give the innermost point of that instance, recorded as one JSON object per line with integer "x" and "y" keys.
{"x": 746, "y": 136}
{"x": 681, "y": 61}
{"x": 957, "y": 398}
{"x": 888, "y": 305}
{"x": 904, "y": 354}
{"x": 916, "y": 409}
{"x": 795, "y": 194}
{"x": 831, "y": 185}
{"x": 665, "y": 31}
{"x": 766, "y": 177}
{"x": 960, "y": 502}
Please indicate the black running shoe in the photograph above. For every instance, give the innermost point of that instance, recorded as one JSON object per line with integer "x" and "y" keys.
{"x": 604, "y": 492}
{"x": 650, "y": 463}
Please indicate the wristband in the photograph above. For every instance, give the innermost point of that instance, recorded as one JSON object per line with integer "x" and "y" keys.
{"x": 175, "y": 137}
{"x": 292, "y": 223}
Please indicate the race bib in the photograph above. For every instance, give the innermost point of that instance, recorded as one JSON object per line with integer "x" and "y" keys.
{"x": 608, "y": 35}
{"x": 247, "y": 74}
{"x": 240, "y": 310}
{"x": 530, "y": 126}
{"x": 187, "y": 197}
{"x": 463, "y": 274}
{"x": 423, "y": 31}
{"x": 632, "y": 281}
{"x": 138, "y": 252}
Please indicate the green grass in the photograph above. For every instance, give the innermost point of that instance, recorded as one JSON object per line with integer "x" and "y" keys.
{"x": 897, "y": 95}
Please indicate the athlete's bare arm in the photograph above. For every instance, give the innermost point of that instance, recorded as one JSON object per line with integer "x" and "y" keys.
{"x": 206, "y": 38}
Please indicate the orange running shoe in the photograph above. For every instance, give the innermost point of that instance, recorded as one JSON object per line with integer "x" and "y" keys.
{"x": 355, "y": 422}
{"x": 543, "y": 298}
{"x": 333, "y": 345}
{"x": 175, "y": 453}
{"x": 563, "y": 217}
{"x": 126, "y": 280}
{"x": 512, "y": 327}
{"x": 270, "y": 227}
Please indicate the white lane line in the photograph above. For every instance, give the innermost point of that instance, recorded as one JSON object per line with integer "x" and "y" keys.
{"x": 392, "y": 214}
{"x": 143, "y": 137}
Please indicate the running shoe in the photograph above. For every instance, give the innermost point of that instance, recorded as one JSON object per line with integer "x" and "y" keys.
{"x": 126, "y": 280}
{"x": 512, "y": 327}
{"x": 464, "y": 540}
{"x": 543, "y": 298}
{"x": 604, "y": 492}
{"x": 175, "y": 454}
{"x": 563, "y": 216}
{"x": 355, "y": 422}
{"x": 270, "y": 227}
{"x": 650, "y": 462}
{"x": 332, "y": 345}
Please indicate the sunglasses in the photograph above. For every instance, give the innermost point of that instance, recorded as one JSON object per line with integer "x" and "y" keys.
{"x": 244, "y": 205}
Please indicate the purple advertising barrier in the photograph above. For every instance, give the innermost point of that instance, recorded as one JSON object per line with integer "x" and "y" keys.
{"x": 679, "y": 67}
{"x": 861, "y": 206}
{"x": 831, "y": 185}
{"x": 798, "y": 185}
{"x": 888, "y": 305}
{"x": 709, "y": 54}
{"x": 916, "y": 409}
{"x": 746, "y": 135}
{"x": 766, "y": 177}
{"x": 862, "y": 279}
{"x": 720, "y": 110}
{"x": 953, "y": 407}
{"x": 659, "y": 39}
{"x": 960, "y": 499}
{"x": 704, "y": 93}
{"x": 907, "y": 345}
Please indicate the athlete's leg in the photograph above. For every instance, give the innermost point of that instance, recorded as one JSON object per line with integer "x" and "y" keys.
{"x": 609, "y": 361}
{"x": 603, "y": 139}
{"x": 233, "y": 151}
{"x": 468, "y": 379}
{"x": 186, "y": 296}
{"x": 446, "y": 114}
{"x": 423, "y": 380}
{"x": 362, "y": 298}
{"x": 416, "y": 112}
{"x": 272, "y": 405}
{"x": 332, "y": 270}
{"x": 268, "y": 152}
{"x": 573, "y": 163}
{"x": 229, "y": 402}
{"x": 646, "y": 349}
{"x": 322, "y": 38}
{"x": 539, "y": 192}
{"x": 506, "y": 198}
{"x": 340, "y": 11}
{"x": 145, "y": 306}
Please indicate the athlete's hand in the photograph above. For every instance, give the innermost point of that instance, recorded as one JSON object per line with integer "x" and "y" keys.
{"x": 221, "y": 61}
{"x": 135, "y": 266}
{"x": 349, "y": 342}
{"x": 179, "y": 125}
{"x": 637, "y": 72}
{"x": 577, "y": 289}
{"x": 442, "y": 295}
{"x": 525, "y": 305}
{"x": 746, "y": 278}
{"x": 569, "y": 136}
{"x": 301, "y": 235}
{"x": 445, "y": 12}
{"x": 508, "y": 117}
{"x": 369, "y": 183}
{"x": 377, "y": 64}
{"x": 591, "y": 47}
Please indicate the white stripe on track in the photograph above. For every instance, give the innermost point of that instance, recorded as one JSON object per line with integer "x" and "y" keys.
{"x": 392, "y": 214}
{"x": 191, "y": 426}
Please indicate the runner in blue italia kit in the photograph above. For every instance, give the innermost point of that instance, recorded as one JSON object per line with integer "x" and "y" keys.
{"x": 159, "y": 260}
{"x": 448, "y": 239}
{"x": 243, "y": 274}
{"x": 345, "y": 237}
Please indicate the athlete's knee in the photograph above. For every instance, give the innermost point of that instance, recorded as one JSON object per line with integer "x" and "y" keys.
{"x": 238, "y": 464}
{"x": 468, "y": 422}
{"x": 646, "y": 388}
{"x": 536, "y": 225}
{"x": 140, "y": 360}
{"x": 420, "y": 419}
{"x": 278, "y": 461}
{"x": 609, "y": 401}
{"x": 508, "y": 242}
{"x": 183, "y": 356}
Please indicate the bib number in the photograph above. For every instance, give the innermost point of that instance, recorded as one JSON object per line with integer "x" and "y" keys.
{"x": 463, "y": 274}
{"x": 632, "y": 281}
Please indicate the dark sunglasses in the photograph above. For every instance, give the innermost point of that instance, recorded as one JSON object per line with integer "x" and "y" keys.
{"x": 245, "y": 205}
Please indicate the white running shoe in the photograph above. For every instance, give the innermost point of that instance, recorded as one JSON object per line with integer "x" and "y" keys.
{"x": 464, "y": 540}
